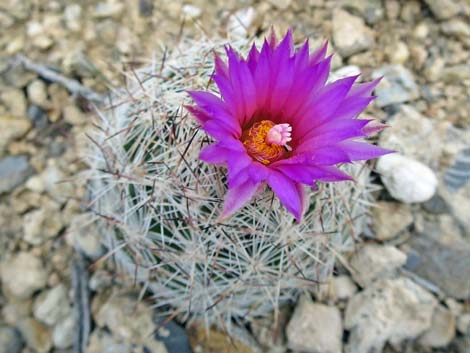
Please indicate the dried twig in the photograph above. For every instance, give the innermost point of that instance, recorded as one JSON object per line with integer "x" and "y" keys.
{"x": 73, "y": 86}
{"x": 81, "y": 304}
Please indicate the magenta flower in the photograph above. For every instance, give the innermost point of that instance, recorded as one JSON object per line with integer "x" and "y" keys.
{"x": 277, "y": 121}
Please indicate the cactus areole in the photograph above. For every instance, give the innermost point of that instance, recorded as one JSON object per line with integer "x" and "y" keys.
{"x": 278, "y": 121}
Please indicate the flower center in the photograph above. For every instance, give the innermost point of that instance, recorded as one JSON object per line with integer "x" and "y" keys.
{"x": 267, "y": 142}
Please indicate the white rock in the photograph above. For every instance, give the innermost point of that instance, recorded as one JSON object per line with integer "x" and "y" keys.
{"x": 63, "y": 333}
{"x": 463, "y": 323}
{"x": 52, "y": 306}
{"x": 239, "y": 22}
{"x": 390, "y": 310}
{"x": 315, "y": 328}
{"x": 23, "y": 275}
{"x": 350, "y": 34}
{"x": 191, "y": 11}
{"x": 407, "y": 180}
{"x": 389, "y": 219}
{"x": 37, "y": 93}
{"x": 373, "y": 261}
{"x": 345, "y": 71}
{"x": 72, "y": 16}
{"x": 442, "y": 330}
{"x": 343, "y": 287}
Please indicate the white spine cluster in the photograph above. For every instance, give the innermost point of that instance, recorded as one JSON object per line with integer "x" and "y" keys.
{"x": 156, "y": 205}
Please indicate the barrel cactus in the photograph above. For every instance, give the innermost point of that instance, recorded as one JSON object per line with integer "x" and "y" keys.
{"x": 157, "y": 204}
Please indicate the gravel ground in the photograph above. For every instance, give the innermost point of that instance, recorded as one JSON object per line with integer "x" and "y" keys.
{"x": 406, "y": 287}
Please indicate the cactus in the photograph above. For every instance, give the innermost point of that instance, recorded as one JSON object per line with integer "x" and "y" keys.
{"x": 156, "y": 205}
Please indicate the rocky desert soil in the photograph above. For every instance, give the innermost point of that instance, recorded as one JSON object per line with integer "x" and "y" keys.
{"x": 406, "y": 287}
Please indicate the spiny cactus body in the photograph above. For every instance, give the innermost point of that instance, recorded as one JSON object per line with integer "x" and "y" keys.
{"x": 156, "y": 205}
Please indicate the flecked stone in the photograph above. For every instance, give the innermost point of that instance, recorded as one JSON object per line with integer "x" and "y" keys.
{"x": 390, "y": 219}
{"x": 442, "y": 330}
{"x": 23, "y": 274}
{"x": 350, "y": 34}
{"x": 390, "y": 310}
{"x": 14, "y": 170}
{"x": 343, "y": 287}
{"x": 373, "y": 261}
{"x": 410, "y": 134}
{"x": 126, "y": 318}
{"x": 42, "y": 224}
{"x": 315, "y": 328}
{"x": 15, "y": 101}
{"x": 397, "y": 86}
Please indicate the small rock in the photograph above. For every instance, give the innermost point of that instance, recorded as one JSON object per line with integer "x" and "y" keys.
{"x": 345, "y": 71}
{"x": 38, "y": 116}
{"x": 436, "y": 205}
{"x": 458, "y": 174}
{"x": 191, "y": 11}
{"x": 397, "y": 86}
{"x": 445, "y": 265}
{"x": 101, "y": 341}
{"x": 398, "y": 53}
{"x": 37, "y": 93}
{"x": 12, "y": 128}
{"x": 99, "y": 280}
{"x": 457, "y": 28}
{"x": 108, "y": 9}
{"x": 442, "y": 330}
{"x": 73, "y": 115}
{"x": 373, "y": 261}
{"x": 52, "y": 306}
{"x": 42, "y": 224}
{"x": 16, "y": 310}
{"x": 239, "y": 23}
{"x": 434, "y": 68}
{"x": 315, "y": 328}
{"x": 87, "y": 239}
{"x": 350, "y": 34}
{"x": 14, "y": 170}
{"x": 37, "y": 336}
{"x": 407, "y": 180}
{"x": 72, "y": 16}
{"x": 23, "y": 274}
{"x": 443, "y": 9}
{"x": 456, "y": 74}
{"x": 15, "y": 101}
{"x": 63, "y": 333}
{"x": 390, "y": 219}
{"x": 342, "y": 288}
{"x": 463, "y": 323}
{"x": 126, "y": 318}
{"x": 10, "y": 340}
{"x": 390, "y": 310}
